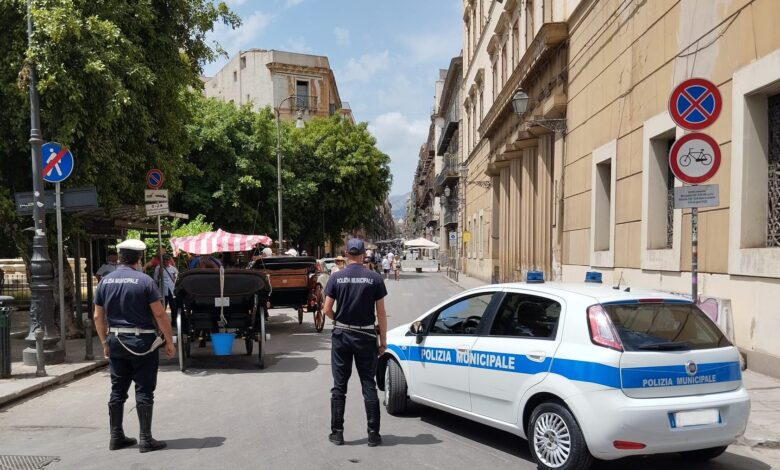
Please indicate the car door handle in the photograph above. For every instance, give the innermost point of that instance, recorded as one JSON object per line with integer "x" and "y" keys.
{"x": 462, "y": 349}
{"x": 536, "y": 356}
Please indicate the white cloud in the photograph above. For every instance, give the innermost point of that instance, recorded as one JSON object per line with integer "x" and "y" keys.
{"x": 366, "y": 66}
{"x": 433, "y": 46}
{"x": 292, "y": 3}
{"x": 401, "y": 138}
{"x": 234, "y": 3}
{"x": 234, "y": 40}
{"x": 297, "y": 44}
{"x": 342, "y": 36}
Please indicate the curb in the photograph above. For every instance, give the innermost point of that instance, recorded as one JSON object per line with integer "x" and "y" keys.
{"x": 52, "y": 381}
{"x": 454, "y": 282}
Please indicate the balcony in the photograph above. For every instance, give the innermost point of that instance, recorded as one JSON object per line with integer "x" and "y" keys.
{"x": 451, "y": 217}
{"x": 303, "y": 102}
{"x": 449, "y": 173}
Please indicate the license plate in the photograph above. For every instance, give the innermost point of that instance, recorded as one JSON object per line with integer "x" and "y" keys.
{"x": 696, "y": 418}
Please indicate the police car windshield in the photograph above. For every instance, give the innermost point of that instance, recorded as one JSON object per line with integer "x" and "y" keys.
{"x": 664, "y": 327}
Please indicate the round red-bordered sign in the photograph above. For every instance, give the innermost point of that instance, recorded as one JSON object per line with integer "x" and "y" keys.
{"x": 695, "y": 104}
{"x": 154, "y": 178}
{"x": 694, "y": 158}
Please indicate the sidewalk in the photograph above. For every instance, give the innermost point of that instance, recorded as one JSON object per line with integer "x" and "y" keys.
{"x": 763, "y": 430}
{"x": 24, "y": 383}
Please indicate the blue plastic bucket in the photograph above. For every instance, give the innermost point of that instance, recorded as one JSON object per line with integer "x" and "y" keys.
{"x": 222, "y": 343}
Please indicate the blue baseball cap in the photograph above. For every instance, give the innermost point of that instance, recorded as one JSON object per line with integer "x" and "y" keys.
{"x": 355, "y": 246}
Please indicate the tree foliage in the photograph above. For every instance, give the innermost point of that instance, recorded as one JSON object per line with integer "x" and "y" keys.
{"x": 114, "y": 79}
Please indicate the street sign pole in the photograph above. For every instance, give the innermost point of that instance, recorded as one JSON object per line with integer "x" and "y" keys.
{"x": 695, "y": 254}
{"x": 60, "y": 269}
{"x": 159, "y": 251}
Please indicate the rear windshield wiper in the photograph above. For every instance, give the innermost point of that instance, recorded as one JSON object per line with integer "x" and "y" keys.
{"x": 667, "y": 346}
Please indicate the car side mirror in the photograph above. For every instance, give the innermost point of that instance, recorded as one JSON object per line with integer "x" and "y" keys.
{"x": 416, "y": 329}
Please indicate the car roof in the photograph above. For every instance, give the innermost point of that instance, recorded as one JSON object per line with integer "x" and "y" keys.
{"x": 600, "y": 293}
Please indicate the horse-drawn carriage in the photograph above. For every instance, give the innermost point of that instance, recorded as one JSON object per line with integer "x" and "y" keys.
{"x": 296, "y": 282}
{"x": 211, "y": 301}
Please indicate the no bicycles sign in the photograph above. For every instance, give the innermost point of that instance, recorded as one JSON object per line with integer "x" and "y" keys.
{"x": 694, "y": 158}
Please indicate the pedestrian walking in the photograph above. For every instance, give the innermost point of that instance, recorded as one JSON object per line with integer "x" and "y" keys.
{"x": 169, "y": 276}
{"x": 359, "y": 293}
{"x": 386, "y": 265}
{"x": 397, "y": 267}
{"x": 341, "y": 262}
{"x": 108, "y": 267}
{"x": 127, "y": 307}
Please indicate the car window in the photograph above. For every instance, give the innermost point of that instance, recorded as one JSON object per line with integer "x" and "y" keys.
{"x": 664, "y": 326}
{"x": 527, "y": 316}
{"x": 461, "y": 317}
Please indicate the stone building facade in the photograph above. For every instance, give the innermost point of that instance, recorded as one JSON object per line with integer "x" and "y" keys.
{"x": 268, "y": 77}
{"x": 624, "y": 59}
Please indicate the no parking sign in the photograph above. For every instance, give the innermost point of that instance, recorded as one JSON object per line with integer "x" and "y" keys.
{"x": 695, "y": 104}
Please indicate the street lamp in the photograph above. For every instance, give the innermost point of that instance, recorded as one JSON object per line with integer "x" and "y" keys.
{"x": 299, "y": 124}
{"x": 520, "y": 101}
{"x": 41, "y": 271}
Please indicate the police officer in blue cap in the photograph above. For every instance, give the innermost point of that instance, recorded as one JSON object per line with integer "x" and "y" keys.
{"x": 357, "y": 292}
{"x": 128, "y": 312}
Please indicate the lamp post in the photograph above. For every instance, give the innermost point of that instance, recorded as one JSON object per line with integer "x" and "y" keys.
{"x": 300, "y": 125}
{"x": 41, "y": 270}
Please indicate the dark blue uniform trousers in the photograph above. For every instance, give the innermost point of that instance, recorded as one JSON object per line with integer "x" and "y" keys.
{"x": 127, "y": 368}
{"x": 349, "y": 346}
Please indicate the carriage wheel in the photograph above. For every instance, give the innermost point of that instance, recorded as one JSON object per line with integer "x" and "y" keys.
{"x": 249, "y": 340}
{"x": 319, "y": 316}
{"x": 300, "y": 315}
{"x": 180, "y": 340}
{"x": 261, "y": 343}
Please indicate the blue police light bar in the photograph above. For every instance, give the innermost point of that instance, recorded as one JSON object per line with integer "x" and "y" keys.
{"x": 593, "y": 276}
{"x": 534, "y": 277}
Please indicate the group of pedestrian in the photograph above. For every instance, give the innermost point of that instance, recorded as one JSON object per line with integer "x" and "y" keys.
{"x": 391, "y": 263}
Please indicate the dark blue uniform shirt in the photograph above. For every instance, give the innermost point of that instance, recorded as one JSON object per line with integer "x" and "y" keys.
{"x": 356, "y": 290}
{"x": 126, "y": 294}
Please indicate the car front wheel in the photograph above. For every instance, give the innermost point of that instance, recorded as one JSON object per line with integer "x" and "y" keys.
{"x": 555, "y": 439}
{"x": 395, "y": 399}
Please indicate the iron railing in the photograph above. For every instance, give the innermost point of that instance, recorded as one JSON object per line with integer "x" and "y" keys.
{"x": 302, "y": 102}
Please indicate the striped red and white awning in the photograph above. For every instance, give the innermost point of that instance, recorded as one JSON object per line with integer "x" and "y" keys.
{"x": 215, "y": 242}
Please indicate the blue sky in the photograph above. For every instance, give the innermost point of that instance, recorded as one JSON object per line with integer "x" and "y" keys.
{"x": 385, "y": 54}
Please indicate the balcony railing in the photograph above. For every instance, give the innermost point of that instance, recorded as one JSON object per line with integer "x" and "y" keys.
{"x": 301, "y": 102}
{"x": 448, "y": 172}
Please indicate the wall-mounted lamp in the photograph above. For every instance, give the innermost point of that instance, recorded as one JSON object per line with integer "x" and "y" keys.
{"x": 520, "y": 101}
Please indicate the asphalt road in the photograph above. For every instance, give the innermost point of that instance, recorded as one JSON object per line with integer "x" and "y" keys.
{"x": 225, "y": 413}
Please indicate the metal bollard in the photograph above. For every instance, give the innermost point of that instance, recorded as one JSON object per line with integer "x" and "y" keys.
{"x": 5, "y": 342}
{"x": 40, "y": 358}
{"x": 90, "y": 355}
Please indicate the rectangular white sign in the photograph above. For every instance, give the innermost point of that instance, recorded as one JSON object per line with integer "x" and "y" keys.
{"x": 702, "y": 195}
{"x": 160, "y": 208}
{"x": 156, "y": 195}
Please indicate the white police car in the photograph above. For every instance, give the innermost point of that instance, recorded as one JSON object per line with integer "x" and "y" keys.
{"x": 580, "y": 371}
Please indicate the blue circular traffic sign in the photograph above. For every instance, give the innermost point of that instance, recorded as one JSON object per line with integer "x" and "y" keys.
{"x": 695, "y": 104}
{"x": 154, "y": 178}
{"x": 56, "y": 162}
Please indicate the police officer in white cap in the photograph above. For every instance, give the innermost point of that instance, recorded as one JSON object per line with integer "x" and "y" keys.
{"x": 128, "y": 312}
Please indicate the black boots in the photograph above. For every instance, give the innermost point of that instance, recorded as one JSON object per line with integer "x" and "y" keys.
{"x": 118, "y": 438}
{"x": 148, "y": 443}
{"x": 372, "y": 419}
{"x": 337, "y": 421}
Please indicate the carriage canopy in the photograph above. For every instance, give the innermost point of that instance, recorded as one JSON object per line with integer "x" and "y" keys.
{"x": 213, "y": 242}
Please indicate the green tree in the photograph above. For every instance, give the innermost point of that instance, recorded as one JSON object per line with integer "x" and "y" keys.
{"x": 114, "y": 77}
{"x": 232, "y": 174}
{"x": 333, "y": 172}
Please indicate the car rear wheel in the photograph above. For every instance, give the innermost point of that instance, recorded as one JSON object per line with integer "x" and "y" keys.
{"x": 555, "y": 439}
{"x": 395, "y": 400}
{"x": 702, "y": 455}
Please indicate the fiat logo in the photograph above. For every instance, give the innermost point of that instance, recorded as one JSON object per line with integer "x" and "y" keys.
{"x": 691, "y": 368}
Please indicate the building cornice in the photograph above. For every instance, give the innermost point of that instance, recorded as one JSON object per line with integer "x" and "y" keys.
{"x": 549, "y": 36}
